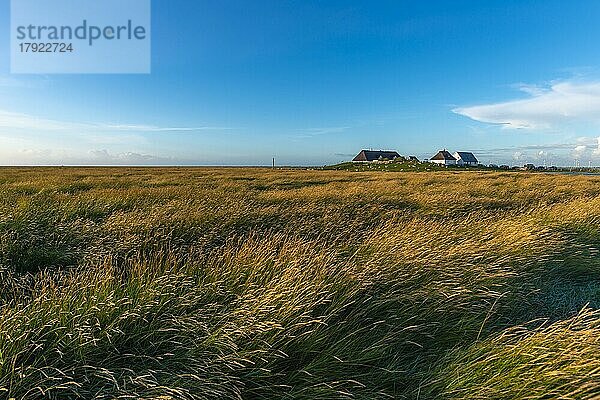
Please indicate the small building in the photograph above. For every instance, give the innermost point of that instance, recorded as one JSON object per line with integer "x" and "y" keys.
{"x": 376, "y": 155}
{"x": 413, "y": 159}
{"x": 443, "y": 157}
{"x": 466, "y": 158}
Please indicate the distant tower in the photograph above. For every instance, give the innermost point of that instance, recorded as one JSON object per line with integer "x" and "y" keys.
{"x": 273, "y": 162}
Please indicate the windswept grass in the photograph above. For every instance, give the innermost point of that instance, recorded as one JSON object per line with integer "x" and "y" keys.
{"x": 259, "y": 284}
{"x": 558, "y": 361}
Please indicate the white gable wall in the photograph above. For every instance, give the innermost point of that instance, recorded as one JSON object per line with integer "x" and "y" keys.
{"x": 444, "y": 162}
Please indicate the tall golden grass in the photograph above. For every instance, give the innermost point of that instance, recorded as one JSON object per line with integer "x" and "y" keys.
{"x": 261, "y": 284}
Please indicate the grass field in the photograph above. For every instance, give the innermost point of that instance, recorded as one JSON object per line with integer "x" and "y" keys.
{"x": 261, "y": 284}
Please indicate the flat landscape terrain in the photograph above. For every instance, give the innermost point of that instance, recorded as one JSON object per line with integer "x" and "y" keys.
{"x": 273, "y": 284}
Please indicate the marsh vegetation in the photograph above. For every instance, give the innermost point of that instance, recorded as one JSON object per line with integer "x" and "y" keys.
{"x": 260, "y": 284}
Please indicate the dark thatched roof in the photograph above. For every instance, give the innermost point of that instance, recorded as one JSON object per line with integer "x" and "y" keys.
{"x": 443, "y": 155}
{"x": 372, "y": 155}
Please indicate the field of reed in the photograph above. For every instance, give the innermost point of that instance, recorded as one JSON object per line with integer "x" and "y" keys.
{"x": 271, "y": 284}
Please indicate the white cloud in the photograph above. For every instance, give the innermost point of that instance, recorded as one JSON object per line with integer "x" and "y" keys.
{"x": 545, "y": 107}
{"x": 583, "y": 148}
{"x": 325, "y": 131}
{"x": 150, "y": 128}
{"x": 587, "y": 148}
{"x": 11, "y": 120}
{"x": 596, "y": 151}
{"x": 312, "y": 132}
{"x": 104, "y": 157}
{"x": 579, "y": 151}
{"x": 41, "y": 156}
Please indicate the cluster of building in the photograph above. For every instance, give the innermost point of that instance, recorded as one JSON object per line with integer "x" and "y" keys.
{"x": 443, "y": 157}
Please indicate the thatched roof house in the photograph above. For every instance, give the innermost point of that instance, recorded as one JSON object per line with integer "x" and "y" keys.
{"x": 443, "y": 157}
{"x": 375, "y": 155}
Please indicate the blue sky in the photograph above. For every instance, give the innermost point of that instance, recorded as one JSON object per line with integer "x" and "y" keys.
{"x": 313, "y": 82}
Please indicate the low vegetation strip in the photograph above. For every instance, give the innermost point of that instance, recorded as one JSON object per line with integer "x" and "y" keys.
{"x": 271, "y": 284}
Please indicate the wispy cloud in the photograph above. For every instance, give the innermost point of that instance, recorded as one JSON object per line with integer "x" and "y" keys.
{"x": 9, "y": 81}
{"x": 150, "y": 128}
{"x": 545, "y": 107}
{"x": 12, "y": 120}
{"x": 589, "y": 142}
{"x": 326, "y": 131}
{"x": 30, "y": 156}
{"x": 582, "y": 149}
{"x": 104, "y": 157}
{"x": 307, "y": 133}
{"x": 344, "y": 154}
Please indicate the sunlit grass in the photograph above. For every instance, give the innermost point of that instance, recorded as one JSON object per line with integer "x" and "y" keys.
{"x": 261, "y": 284}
